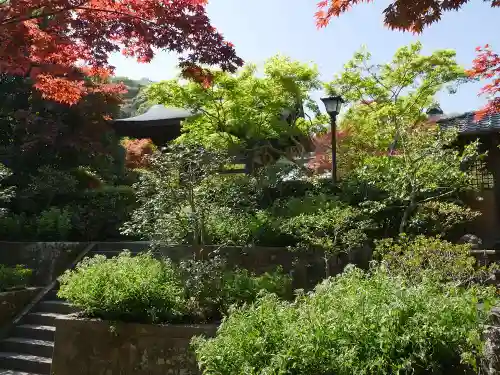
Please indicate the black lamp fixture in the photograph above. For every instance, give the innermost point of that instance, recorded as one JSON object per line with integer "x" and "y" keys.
{"x": 333, "y": 104}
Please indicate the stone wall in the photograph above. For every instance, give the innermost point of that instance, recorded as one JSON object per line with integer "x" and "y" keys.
{"x": 91, "y": 347}
{"x": 47, "y": 259}
{"x": 12, "y": 302}
{"x": 306, "y": 267}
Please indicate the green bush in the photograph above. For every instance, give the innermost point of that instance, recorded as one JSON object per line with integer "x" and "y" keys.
{"x": 440, "y": 218}
{"x": 15, "y": 227}
{"x": 430, "y": 257}
{"x": 212, "y": 287}
{"x": 139, "y": 289}
{"x": 354, "y": 324}
{"x": 99, "y": 213}
{"x": 53, "y": 224}
{"x": 14, "y": 277}
{"x": 334, "y": 229}
{"x": 145, "y": 289}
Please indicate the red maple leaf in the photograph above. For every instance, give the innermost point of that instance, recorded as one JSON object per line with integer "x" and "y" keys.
{"x": 487, "y": 66}
{"x": 51, "y": 41}
{"x": 407, "y": 15}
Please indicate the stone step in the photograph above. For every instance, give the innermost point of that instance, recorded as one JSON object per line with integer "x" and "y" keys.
{"x": 56, "y": 306}
{"x": 52, "y": 295}
{"x": 34, "y": 331}
{"x": 25, "y": 362}
{"x": 27, "y": 346}
{"x": 42, "y": 318}
{"x": 13, "y": 372}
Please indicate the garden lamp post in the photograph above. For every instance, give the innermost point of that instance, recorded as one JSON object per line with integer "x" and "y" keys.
{"x": 333, "y": 105}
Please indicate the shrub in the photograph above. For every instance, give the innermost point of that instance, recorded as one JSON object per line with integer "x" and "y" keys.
{"x": 353, "y": 324}
{"x": 14, "y": 277}
{"x": 138, "y": 152}
{"x": 430, "y": 257}
{"x": 15, "y": 227}
{"x": 212, "y": 288}
{"x": 53, "y": 224}
{"x": 99, "y": 213}
{"x": 145, "y": 289}
{"x": 440, "y": 218}
{"x": 140, "y": 289}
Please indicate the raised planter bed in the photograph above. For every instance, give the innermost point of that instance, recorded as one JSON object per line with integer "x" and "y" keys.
{"x": 94, "y": 347}
{"x": 13, "y": 301}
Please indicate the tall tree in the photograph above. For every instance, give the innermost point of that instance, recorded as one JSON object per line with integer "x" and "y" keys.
{"x": 407, "y": 15}
{"x": 50, "y": 40}
{"x": 412, "y": 15}
{"x": 257, "y": 114}
{"x": 387, "y": 100}
{"x": 55, "y": 146}
{"x": 390, "y": 145}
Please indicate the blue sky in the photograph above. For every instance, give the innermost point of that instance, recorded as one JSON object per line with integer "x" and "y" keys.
{"x": 261, "y": 28}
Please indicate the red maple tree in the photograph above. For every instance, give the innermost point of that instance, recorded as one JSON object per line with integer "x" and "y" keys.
{"x": 407, "y": 15}
{"x": 321, "y": 161}
{"x": 487, "y": 66}
{"x": 60, "y": 44}
{"x": 138, "y": 152}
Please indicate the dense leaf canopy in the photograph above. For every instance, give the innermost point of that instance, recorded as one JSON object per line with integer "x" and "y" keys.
{"x": 50, "y": 40}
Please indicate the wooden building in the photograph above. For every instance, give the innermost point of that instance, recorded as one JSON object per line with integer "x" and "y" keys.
{"x": 159, "y": 123}
{"x": 486, "y": 172}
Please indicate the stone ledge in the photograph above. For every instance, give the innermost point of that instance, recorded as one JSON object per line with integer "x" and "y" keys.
{"x": 13, "y": 301}
{"x": 98, "y": 347}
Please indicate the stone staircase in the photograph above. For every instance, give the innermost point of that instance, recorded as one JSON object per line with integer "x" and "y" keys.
{"x": 29, "y": 347}
{"x": 30, "y": 343}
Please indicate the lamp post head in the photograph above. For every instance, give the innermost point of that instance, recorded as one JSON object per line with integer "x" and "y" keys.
{"x": 333, "y": 104}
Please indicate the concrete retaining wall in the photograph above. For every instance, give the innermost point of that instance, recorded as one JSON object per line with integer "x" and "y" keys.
{"x": 87, "y": 347}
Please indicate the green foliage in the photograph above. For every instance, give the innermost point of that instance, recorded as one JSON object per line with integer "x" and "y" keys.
{"x": 135, "y": 100}
{"x": 55, "y": 152}
{"x": 430, "y": 258}
{"x": 426, "y": 169}
{"x": 100, "y": 213}
{"x": 14, "y": 277}
{"x": 6, "y": 193}
{"x": 54, "y": 224}
{"x": 353, "y": 324}
{"x": 170, "y": 209}
{"x": 145, "y": 289}
{"x": 332, "y": 229}
{"x": 440, "y": 218}
{"x": 139, "y": 289}
{"x": 258, "y": 114}
{"x": 388, "y": 99}
{"x": 391, "y": 147}
{"x": 212, "y": 287}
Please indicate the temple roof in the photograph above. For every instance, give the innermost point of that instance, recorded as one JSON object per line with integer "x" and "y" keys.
{"x": 467, "y": 123}
{"x": 159, "y": 112}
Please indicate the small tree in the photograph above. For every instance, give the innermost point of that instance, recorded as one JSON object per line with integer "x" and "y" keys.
{"x": 171, "y": 210}
{"x": 423, "y": 169}
{"x": 260, "y": 116}
{"x": 394, "y": 147}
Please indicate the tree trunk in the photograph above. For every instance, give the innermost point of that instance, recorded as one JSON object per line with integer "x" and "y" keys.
{"x": 406, "y": 215}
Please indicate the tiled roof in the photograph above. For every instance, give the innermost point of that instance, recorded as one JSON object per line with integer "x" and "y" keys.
{"x": 467, "y": 123}
{"x": 160, "y": 112}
